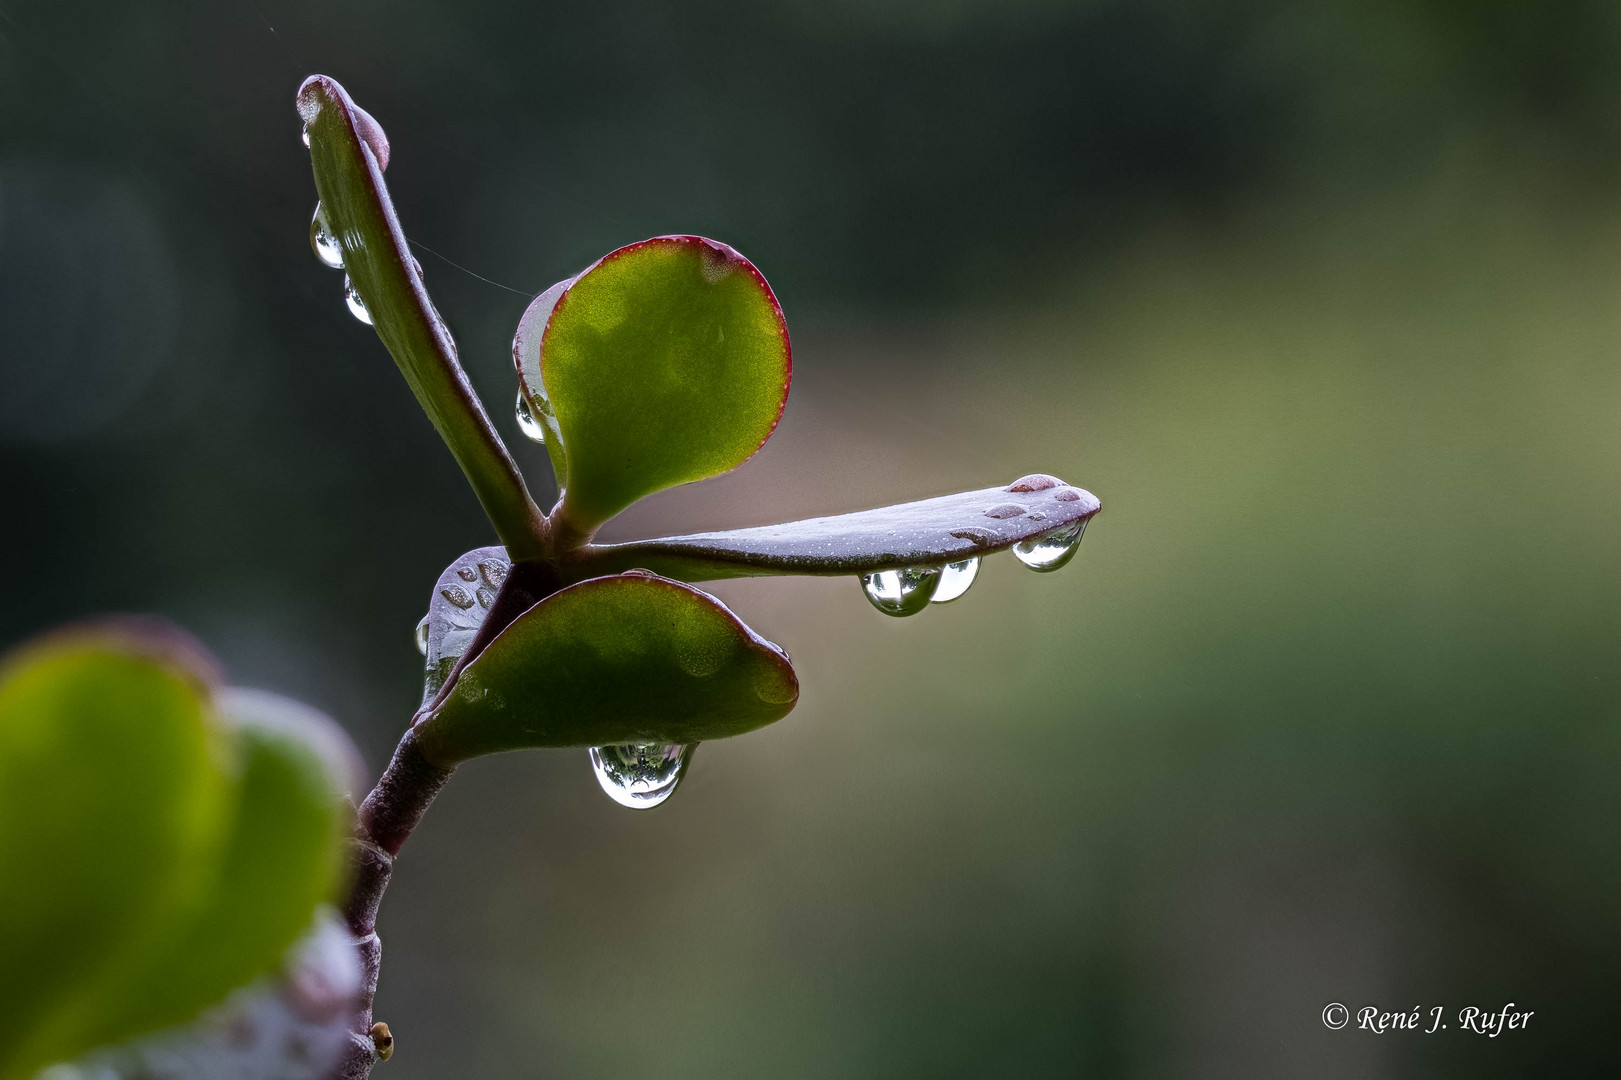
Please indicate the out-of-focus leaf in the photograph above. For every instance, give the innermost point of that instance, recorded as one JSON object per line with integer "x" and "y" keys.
{"x": 930, "y": 532}
{"x": 630, "y": 658}
{"x": 345, "y": 145}
{"x": 662, "y": 363}
{"x": 116, "y": 789}
{"x": 152, "y": 856}
{"x": 281, "y": 861}
{"x": 292, "y": 1026}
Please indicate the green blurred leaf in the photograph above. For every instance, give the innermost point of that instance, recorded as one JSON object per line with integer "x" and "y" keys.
{"x": 152, "y": 858}
{"x": 280, "y": 862}
{"x": 932, "y": 531}
{"x": 348, "y": 153}
{"x": 664, "y": 362}
{"x": 115, "y": 794}
{"x": 632, "y": 658}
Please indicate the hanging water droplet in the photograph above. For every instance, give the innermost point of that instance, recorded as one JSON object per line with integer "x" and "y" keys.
{"x": 458, "y": 596}
{"x": 527, "y": 423}
{"x": 324, "y": 241}
{"x": 955, "y": 579}
{"x": 422, "y": 636}
{"x": 1050, "y": 551}
{"x": 640, "y": 775}
{"x": 906, "y": 591}
{"x": 304, "y": 136}
{"x": 357, "y": 306}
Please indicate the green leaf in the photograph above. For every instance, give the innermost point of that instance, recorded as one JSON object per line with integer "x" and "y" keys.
{"x": 662, "y": 363}
{"x": 281, "y": 861}
{"x": 115, "y": 793}
{"x": 930, "y": 532}
{"x": 632, "y": 658}
{"x": 348, "y": 153}
{"x": 152, "y": 856}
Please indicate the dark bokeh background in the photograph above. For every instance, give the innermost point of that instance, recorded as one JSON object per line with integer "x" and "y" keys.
{"x": 1322, "y": 299}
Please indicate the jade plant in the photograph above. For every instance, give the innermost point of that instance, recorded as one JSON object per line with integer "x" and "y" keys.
{"x": 663, "y": 363}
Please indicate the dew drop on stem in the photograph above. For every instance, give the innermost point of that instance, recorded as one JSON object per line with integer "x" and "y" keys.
{"x": 1051, "y": 550}
{"x": 955, "y": 578}
{"x": 640, "y": 775}
{"x": 422, "y": 636}
{"x": 902, "y": 592}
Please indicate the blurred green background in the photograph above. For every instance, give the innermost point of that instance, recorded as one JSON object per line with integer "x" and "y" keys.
{"x": 1322, "y": 299}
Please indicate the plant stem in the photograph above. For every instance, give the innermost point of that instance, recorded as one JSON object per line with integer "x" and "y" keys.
{"x": 392, "y": 810}
{"x": 384, "y": 822}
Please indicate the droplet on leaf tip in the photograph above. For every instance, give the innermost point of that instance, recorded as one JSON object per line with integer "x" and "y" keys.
{"x": 1051, "y": 550}
{"x": 640, "y": 775}
{"x": 955, "y": 579}
{"x": 1034, "y": 482}
{"x": 902, "y": 592}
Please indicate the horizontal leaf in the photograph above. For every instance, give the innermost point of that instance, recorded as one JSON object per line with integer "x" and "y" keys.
{"x": 631, "y": 658}
{"x": 662, "y": 363}
{"x": 345, "y": 146}
{"x": 933, "y": 531}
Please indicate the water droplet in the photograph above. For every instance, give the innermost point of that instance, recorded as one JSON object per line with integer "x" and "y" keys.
{"x": 1037, "y": 515}
{"x": 955, "y": 579}
{"x": 1067, "y": 495}
{"x": 640, "y": 775}
{"x": 416, "y": 266}
{"x": 324, "y": 241}
{"x": 977, "y": 537}
{"x": 422, "y": 636}
{"x": 1051, "y": 550}
{"x": 357, "y": 306}
{"x": 1005, "y": 510}
{"x": 494, "y": 571}
{"x": 304, "y": 136}
{"x": 901, "y": 592}
{"x": 458, "y": 596}
{"x": 1038, "y": 481}
{"x": 485, "y": 597}
{"x": 467, "y": 573}
{"x": 531, "y": 427}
